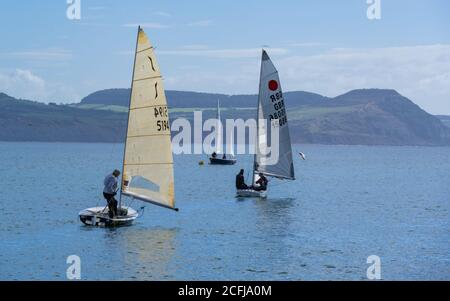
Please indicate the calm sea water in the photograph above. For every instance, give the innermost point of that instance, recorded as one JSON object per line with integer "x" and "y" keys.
{"x": 348, "y": 202}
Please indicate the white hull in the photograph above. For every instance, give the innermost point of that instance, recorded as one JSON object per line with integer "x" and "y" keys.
{"x": 98, "y": 216}
{"x": 250, "y": 193}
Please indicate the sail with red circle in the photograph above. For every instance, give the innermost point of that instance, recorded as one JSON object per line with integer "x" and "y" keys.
{"x": 272, "y": 115}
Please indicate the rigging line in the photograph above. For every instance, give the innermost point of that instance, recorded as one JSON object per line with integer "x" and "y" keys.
{"x": 131, "y": 202}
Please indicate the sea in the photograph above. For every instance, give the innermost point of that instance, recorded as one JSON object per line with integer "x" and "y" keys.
{"x": 347, "y": 206}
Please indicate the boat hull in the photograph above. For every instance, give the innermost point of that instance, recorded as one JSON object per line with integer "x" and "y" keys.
{"x": 218, "y": 161}
{"x": 99, "y": 217}
{"x": 250, "y": 193}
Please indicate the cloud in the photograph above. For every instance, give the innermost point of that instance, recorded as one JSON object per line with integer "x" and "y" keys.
{"x": 307, "y": 44}
{"x": 204, "y": 51}
{"x": 25, "y": 84}
{"x": 163, "y": 14}
{"x": 126, "y": 52}
{"x": 42, "y": 54}
{"x": 22, "y": 83}
{"x": 201, "y": 23}
{"x": 147, "y": 25}
{"x": 95, "y": 24}
{"x": 194, "y": 47}
{"x": 96, "y": 8}
{"x": 421, "y": 73}
{"x": 223, "y": 53}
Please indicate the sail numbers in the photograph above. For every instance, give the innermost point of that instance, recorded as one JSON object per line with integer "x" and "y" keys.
{"x": 279, "y": 108}
{"x": 161, "y": 114}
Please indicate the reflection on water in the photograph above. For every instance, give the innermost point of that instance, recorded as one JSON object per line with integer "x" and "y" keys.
{"x": 148, "y": 253}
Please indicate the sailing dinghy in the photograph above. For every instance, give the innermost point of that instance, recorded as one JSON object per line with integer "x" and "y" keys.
{"x": 271, "y": 112}
{"x": 217, "y": 159}
{"x": 147, "y": 163}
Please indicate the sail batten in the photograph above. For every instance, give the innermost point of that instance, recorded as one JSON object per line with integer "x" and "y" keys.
{"x": 148, "y": 161}
{"x": 272, "y": 112}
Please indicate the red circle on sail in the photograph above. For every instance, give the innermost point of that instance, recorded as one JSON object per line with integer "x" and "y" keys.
{"x": 273, "y": 85}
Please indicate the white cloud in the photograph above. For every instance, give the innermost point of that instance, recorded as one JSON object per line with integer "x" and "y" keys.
{"x": 223, "y": 53}
{"x": 126, "y": 52}
{"x": 162, "y": 14}
{"x": 194, "y": 47}
{"x": 147, "y": 25}
{"x": 306, "y": 44}
{"x": 201, "y": 23}
{"x": 27, "y": 85}
{"x": 22, "y": 83}
{"x": 39, "y": 54}
{"x": 204, "y": 51}
{"x": 422, "y": 73}
{"x": 196, "y": 79}
{"x": 96, "y": 8}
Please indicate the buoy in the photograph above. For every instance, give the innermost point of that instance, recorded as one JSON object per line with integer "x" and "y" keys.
{"x": 201, "y": 162}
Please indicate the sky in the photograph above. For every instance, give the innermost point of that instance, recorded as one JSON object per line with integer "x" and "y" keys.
{"x": 322, "y": 46}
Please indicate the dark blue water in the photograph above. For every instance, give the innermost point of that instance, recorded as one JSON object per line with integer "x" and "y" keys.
{"x": 348, "y": 202}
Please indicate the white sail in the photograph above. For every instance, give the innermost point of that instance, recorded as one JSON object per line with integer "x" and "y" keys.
{"x": 271, "y": 110}
{"x": 148, "y": 161}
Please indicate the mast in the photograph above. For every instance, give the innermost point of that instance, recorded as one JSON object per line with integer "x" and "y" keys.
{"x": 128, "y": 117}
{"x": 257, "y": 121}
{"x": 219, "y": 142}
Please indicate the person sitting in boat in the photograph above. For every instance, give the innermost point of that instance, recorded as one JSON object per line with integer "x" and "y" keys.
{"x": 261, "y": 183}
{"x": 110, "y": 190}
{"x": 224, "y": 157}
{"x": 214, "y": 155}
{"x": 240, "y": 181}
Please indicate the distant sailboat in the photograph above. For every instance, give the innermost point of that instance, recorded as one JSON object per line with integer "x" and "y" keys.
{"x": 217, "y": 158}
{"x": 148, "y": 163}
{"x": 270, "y": 108}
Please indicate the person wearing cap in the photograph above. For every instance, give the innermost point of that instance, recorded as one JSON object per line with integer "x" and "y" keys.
{"x": 110, "y": 190}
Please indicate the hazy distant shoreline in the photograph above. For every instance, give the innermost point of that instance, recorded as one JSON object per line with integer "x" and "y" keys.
{"x": 359, "y": 117}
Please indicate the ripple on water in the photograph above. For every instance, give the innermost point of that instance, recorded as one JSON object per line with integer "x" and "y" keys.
{"x": 321, "y": 228}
